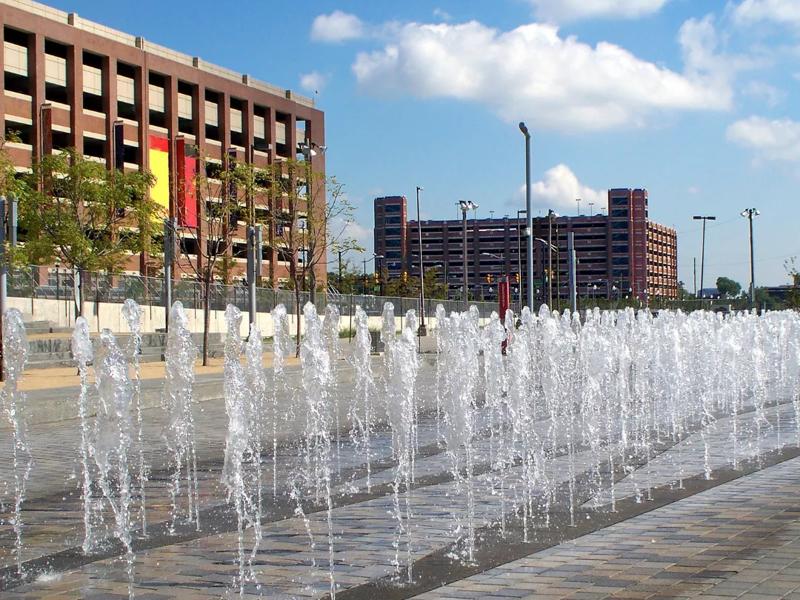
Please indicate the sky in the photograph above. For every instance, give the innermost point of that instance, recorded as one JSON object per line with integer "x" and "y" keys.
{"x": 695, "y": 100}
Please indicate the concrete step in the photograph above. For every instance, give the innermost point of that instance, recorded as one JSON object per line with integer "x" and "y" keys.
{"x": 49, "y": 352}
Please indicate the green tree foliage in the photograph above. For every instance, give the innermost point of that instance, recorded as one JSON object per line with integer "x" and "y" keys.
{"x": 728, "y": 288}
{"x": 76, "y": 211}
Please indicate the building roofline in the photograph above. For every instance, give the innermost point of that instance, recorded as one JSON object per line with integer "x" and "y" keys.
{"x": 121, "y": 37}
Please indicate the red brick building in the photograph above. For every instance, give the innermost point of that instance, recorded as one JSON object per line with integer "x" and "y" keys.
{"x": 620, "y": 254}
{"x": 69, "y": 82}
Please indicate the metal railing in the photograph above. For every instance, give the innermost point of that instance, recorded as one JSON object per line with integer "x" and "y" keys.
{"x": 101, "y": 288}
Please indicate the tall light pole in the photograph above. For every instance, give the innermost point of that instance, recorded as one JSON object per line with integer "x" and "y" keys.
{"x": 551, "y": 214}
{"x": 519, "y": 260}
{"x": 703, "y": 248}
{"x": 749, "y": 213}
{"x": 374, "y": 257}
{"x": 529, "y": 212}
{"x": 578, "y": 202}
{"x": 421, "y": 330}
{"x": 466, "y": 206}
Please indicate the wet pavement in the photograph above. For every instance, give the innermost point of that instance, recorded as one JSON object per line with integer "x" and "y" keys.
{"x": 672, "y": 533}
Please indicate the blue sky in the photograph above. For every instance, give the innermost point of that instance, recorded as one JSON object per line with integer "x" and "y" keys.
{"x": 694, "y": 100}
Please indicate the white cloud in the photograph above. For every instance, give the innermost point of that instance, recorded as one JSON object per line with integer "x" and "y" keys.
{"x": 560, "y": 188}
{"x": 313, "y": 81}
{"x": 336, "y": 27}
{"x": 352, "y": 230}
{"x": 765, "y": 92}
{"x": 770, "y": 139}
{"x": 532, "y": 73}
{"x": 442, "y": 15}
{"x": 783, "y": 12}
{"x": 561, "y": 11}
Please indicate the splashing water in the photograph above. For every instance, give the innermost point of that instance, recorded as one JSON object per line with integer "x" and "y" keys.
{"x": 241, "y": 473}
{"x": 83, "y": 353}
{"x": 360, "y": 414}
{"x": 114, "y": 439}
{"x": 15, "y": 357}
{"x": 330, "y": 337}
{"x": 179, "y": 432}
{"x": 316, "y": 365}
{"x": 131, "y": 312}
{"x": 281, "y": 350}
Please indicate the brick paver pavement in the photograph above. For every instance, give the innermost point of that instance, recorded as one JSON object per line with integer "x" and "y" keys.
{"x": 738, "y": 540}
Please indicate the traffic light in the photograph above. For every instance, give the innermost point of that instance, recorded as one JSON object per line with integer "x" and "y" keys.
{"x": 516, "y": 277}
{"x": 405, "y": 276}
{"x": 489, "y": 278}
{"x": 376, "y": 276}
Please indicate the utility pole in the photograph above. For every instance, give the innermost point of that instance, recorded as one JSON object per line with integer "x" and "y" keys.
{"x": 550, "y": 215}
{"x": 703, "y": 248}
{"x": 749, "y": 213}
{"x": 169, "y": 258}
{"x": 573, "y": 285}
{"x": 529, "y": 213}
{"x": 422, "y": 330}
{"x": 466, "y": 206}
{"x": 694, "y": 274}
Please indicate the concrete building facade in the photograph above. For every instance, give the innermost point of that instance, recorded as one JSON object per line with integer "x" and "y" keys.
{"x": 72, "y": 83}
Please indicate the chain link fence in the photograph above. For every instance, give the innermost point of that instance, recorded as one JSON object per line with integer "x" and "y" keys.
{"x": 59, "y": 284}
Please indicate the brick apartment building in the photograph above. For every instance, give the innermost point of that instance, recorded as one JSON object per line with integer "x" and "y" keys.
{"x": 129, "y": 103}
{"x": 620, "y": 254}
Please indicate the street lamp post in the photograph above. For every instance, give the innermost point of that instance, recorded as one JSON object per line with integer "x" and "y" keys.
{"x": 749, "y": 213}
{"x": 421, "y": 330}
{"x": 550, "y": 215}
{"x": 529, "y": 212}
{"x": 465, "y": 206}
{"x": 703, "y": 246}
{"x": 374, "y": 257}
{"x": 505, "y": 268}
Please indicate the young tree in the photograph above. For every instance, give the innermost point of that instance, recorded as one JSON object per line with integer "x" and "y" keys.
{"x": 793, "y": 297}
{"x": 206, "y": 247}
{"x": 89, "y": 218}
{"x": 728, "y": 288}
{"x": 307, "y": 226}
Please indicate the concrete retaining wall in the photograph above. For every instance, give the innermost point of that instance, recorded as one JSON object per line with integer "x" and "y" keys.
{"x": 107, "y": 315}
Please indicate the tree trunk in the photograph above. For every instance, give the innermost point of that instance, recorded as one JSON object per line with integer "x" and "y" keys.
{"x": 312, "y": 286}
{"x": 206, "y": 317}
{"x": 298, "y": 312}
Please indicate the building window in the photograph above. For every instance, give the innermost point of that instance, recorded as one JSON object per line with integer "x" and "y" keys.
{"x": 236, "y": 120}
{"x": 619, "y": 225}
{"x": 156, "y": 98}
{"x": 623, "y": 201}
{"x": 92, "y": 80}
{"x": 212, "y": 113}
{"x": 125, "y": 89}
{"x": 55, "y": 70}
{"x": 619, "y": 212}
{"x": 259, "y": 127}
{"x": 184, "y": 106}
{"x": 280, "y": 132}
{"x": 15, "y": 59}
{"x": 391, "y": 208}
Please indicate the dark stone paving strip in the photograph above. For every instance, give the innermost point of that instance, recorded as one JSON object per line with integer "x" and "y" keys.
{"x": 492, "y": 549}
